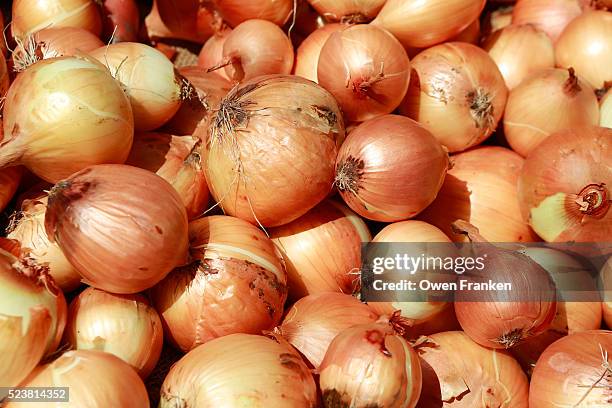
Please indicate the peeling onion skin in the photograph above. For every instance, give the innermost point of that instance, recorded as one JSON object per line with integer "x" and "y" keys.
{"x": 307, "y": 55}
{"x": 574, "y": 371}
{"x": 87, "y": 214}
{"x": 240, "y": 370}
{"x": 550, "y": 16}
{"x": 236, "y": 284}
{"x": 457, "y": 92}
{"x": 239, "y": 11}
{"x": 348, "y": 11}
{"x": 262, "y": 167}
{"x": 9, "y": 182}
{"x": 564, "y": 186}
{"x": 459, "y": 373}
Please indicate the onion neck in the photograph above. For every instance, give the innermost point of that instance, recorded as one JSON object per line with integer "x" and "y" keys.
{"x": 571, "y": 87}
{"x": 362, "y": 87}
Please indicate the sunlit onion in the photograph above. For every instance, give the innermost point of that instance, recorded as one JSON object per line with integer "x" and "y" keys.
{"x": 550, "y": 16}
{"x": 238, "y": 11}
{"x": 211, "y": 54}
{"x": 182, "y": 20}
{"x": 121, "y": 20}
{"x": 9, "y": 182}
{"x": 350, "y": 11}
{"x": 605, "y": 110}
{"x": 307, "y": 55}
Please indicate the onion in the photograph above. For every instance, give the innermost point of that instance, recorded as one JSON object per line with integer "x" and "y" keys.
{"x": 30, "y": 16}
{"x": 240, "y": 370}
{"x": 459, "y": 373}
{"x": 122, "y": 228}
{"x": 586, "y": 45}
{"x": 606, "y": 285}
{"x": 238, "y": 11}
{"x": 2, "y": 43}
{"x": 457, "y": 92}
{"x": 302, "y": 127}
{"x": 497, "y": 20}
{"x": 390, "y": 168}
{"x": 100, "y": 321}
{"x": 5, "y": 79}
{"x": 550, "y": 16}
{"x": 605, "y": 108}
{"x": 564, "y": 186}
{"x": 444, "y": 320}
{"x": 32, "y": 317}
{"x": 422, "y": 24}
{"x": 348, "y": 11}
{"x": 314, "y": 321}
{"x": 235, "y": 284}
{"x": 307, "y": 56}
{"x": 64, "y": 114}
{"x": 366, "y": 69}
{"x": 180, "y": 19}
{"x": 322, "y": 249}
{"x": 121, "y": 20}
{"x": 211, "y": 54}
{"x": 520, "y": 51}
{"x": 117, "y": 384}
{"x": 470, "y": 34}
{"x": 9, "y": 182}
{"x": 547, "y": 102}
{"x": 481, "y": 188}
{"x": 370, "y": 366}
{"x": 504, "y": 319}
{"x": 574, "y": 371}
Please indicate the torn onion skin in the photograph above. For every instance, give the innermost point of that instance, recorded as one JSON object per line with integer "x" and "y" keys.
{"x": 9, "y": 182}
{"x": 550, "y": 16}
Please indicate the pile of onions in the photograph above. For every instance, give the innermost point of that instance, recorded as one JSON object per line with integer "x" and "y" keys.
{"x": 481, "y": 188}
{"x": 211, "y": 54}
{"x": 238, "y": 11}
{"x": 98, "y": 320}
{"x": 457, "y": 92}
{"x": 550, "y": 16}
{"x": 117, "y": 384}
{"x": 314, "y": 321}
{"x": 348, "y": 11}
{"x": 370, "y": 366}
{"x": 419, "y": 23}
{"x": 390, "y": 168}
{"x": 235, "y": 284}
{"x": 564, "y": 186}
{"x": 506, "y": 318}
{"x": 322, "y": 249}
{"x": 574, "y": 371}
{"x": 30, "y": 16}
{"x": 520, "y": 50}
{"x": 121, "y": 20}
{"x": 182, "y": 20}
{"x": 29, "y": 229}
{"x": 240, "y": 370}
{"x": 298, "y": 124}
{"x": 123, "y": 228}
{"x": 64, "y": 114}
{"x": 586, "y": 45}
{"x": 459, "y": 373}
{"x": 366, "y": 69}
{"x": 546, "y": 102}
{"x": 307, "y": 55}
{"x": 605, "y": 110}
{"x": 33, "y": 312}
{"x": 9, "y": 182}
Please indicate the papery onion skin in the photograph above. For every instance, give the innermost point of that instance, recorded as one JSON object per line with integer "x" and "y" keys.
{"x": 322, "y": 249}
{"x": 182, "y": 20}
{"x": 123, "y": 228}
{"x": 457, "y": 92}
{"x": 121, "y": 21}
{"x": 564, "y": 186}
{"x": 390, "y": 168}
{"x": 586, "y": 45}
{"x": 297, "y": 171}
{"x": 99, "y": 320}
{"x": 236, "y": 284}
{"x": 350, "y": 11}
{"x": 240, "y": 369}
{"x": 370, "y": 365}
{"x": 211, "y": 54}
{"x": 459, "y": 373}
{"x": 546, "y": 102}
{"x": 312, "y": 322}
{"x": 9, "y": 182}
{"x": 417, "y": 24}
{"x": 481, "y": 188}
{"x": 605, "y": 110}
{"x": 117, "y": 384}
{"x": 550, "y": 16}
{"x": 366, "y": 69}
{"x": 307, "y": 55}
{"x": 236, "y": 12}
{"x": 574, "y": 371}
{"x": 87, "y": 118}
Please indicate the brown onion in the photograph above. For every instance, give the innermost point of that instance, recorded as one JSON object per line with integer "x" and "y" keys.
{"x": 307, "y": 55}
{"x": 122, "y": 228}
{"x": 121, "y": 20}
{"x": 350, "y": 11}
{"x": 366, "y": 69}
{"x": 456, "y": 92}
{"x": 211, "y": 54}
{"x": 550, "y": 16}
{"x": 238, "y": 11}
{"x": 564, "y": 186}
{"x": 9, "y": 182}
{"x": 188, "y": 20}
{"x": 390, "y": 168}
{"x": 301, "y": 131}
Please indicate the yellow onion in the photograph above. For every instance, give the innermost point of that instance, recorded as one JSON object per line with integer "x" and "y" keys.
{"x": 123, "y": 228}
{"x": 240, "y": 370}
{"x": 188, "y": 20}
{"x": 123, "y": 325}
{"x": 481, "y": 188}
{"x": 211, "y": 54}
{"x": 370, "y": 366}
{"x": 299, "y": 126}
{"x": 457, "y": 92}
{"x": 312, "y": 322}
{"x": 307, "y": 55}
{"x": 550, "y": 16}
{"x": 9, "y": 182}
{"x": 235, "y": 284}
{"x": 116, "y": 383}
{"x": 605, "y": 110}
{"x": 459, "y": 373}
{"x": 574, "y": 372}
{"x": 239, "y": 11}
{"x": 470, "y": 34}
{"x": 64, "y": 114}
{"x": 349, "y": 11}
{"x": 322, "y": 249}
